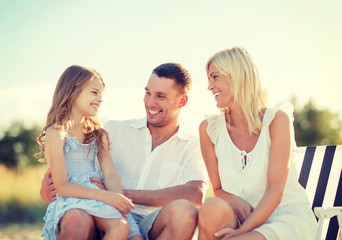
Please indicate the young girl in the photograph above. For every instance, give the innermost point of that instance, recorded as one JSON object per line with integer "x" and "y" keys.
{"x": 70, "y": 140}
{"x": 248, "y": 152}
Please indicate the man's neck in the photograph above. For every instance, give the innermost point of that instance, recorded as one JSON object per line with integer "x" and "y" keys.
{"x": 162, "y": 134}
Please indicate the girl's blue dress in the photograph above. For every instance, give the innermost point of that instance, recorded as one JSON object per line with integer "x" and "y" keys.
{"x": 80, "y": 164}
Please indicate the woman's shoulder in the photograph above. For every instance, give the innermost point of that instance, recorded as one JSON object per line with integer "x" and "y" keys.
{"x": 280, "y": 112}
{"x": 280, "y": 125}
{"x": 281, "y": 117}
{"x": 212, "y": 118}
{"x": 211, "y": 126}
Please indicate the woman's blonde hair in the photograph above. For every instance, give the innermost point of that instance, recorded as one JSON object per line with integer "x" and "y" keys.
{"x": 67, "y": 89}
{"x": 246, "y": 88}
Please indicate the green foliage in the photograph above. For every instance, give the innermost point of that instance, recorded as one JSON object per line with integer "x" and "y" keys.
{"x": 16, "y": 211}
{"x": 19, "y": 146}
{"x": 316, "y": 126}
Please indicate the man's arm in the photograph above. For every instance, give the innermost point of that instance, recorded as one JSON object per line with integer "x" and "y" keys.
{"x": 193, "y": 191}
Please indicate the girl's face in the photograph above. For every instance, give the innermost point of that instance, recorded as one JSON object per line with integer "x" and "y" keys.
{"x": 89, "y": 99}
{"x": 220, "y": 87}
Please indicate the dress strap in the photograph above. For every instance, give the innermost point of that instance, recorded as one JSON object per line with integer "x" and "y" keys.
{"x": 213, "y": 128}
{"x": 270, "y": 113}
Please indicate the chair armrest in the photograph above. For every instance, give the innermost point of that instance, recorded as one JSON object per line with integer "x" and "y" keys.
{"x": 327, "y": 213}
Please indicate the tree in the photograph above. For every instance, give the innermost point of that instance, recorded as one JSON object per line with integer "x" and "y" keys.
{"x": 316, "y": 126}
{"x": 19, "y": 146}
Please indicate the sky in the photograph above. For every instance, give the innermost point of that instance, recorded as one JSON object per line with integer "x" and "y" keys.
{"x": 295, "y": 43}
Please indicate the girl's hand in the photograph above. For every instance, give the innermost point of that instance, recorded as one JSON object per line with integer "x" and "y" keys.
{"x": 120, "y": 202}
{"x": 98, "y": 183}
{"x": 241, "y": 208}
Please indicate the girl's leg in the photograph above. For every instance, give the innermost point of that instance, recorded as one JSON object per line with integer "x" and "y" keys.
{"x": 113, "y": 228}
{"x": 213, "y": 215}
{"x": 136, "y": 237}
{"x": 77, "y": 224}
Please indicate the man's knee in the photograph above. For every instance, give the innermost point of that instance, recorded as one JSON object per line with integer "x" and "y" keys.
{"x": 182, "y": 214}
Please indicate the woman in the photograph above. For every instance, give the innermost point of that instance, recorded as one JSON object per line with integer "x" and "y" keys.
{"x": 248, "y": 151}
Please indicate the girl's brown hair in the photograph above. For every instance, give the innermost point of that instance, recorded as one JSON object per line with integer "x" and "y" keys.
{"x": 67, "y": 89}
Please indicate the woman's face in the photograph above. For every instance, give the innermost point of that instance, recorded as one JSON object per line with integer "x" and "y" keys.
{"x": 220, "y": 87}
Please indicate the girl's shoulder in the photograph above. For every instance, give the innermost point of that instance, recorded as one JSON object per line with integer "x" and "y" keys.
{"x": 55, "y": 133}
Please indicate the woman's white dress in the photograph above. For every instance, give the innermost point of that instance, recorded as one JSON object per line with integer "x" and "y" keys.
{"x": 245, "y": 175}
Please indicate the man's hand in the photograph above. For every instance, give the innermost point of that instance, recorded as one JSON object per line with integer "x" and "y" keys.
{"x": 47, "y": 189}
{"x": 98, "y": 183}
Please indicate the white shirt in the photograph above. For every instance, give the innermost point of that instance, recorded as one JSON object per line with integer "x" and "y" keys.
{"x": 176, "y": 161}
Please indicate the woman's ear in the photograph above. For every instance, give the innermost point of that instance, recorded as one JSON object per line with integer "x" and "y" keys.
{"x": 183, "y": 101}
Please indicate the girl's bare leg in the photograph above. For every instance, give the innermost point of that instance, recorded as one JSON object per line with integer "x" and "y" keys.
{"x": 114, "y": 228}
{"x": 136, "y": 237}
{"x": 77, "y": 224}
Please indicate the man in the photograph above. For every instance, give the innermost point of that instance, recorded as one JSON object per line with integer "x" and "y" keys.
{"x": 160, "y": 166}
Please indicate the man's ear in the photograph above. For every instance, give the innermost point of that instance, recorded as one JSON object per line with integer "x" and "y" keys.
{"x": 183, "y": 101}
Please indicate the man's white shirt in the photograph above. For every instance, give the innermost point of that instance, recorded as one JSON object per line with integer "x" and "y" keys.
{"x": 176, "y": 161}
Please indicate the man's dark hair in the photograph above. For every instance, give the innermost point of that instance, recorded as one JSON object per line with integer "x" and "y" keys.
{"x": 176, "y": 72}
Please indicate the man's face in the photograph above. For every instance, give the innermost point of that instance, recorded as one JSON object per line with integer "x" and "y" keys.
{"x": 162, "y": 101}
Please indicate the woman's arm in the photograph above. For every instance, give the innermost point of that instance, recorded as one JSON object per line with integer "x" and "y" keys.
{"x": 278, "y": 167}
{"x": 240, "y": 207}
{"x": 55, "y": 155}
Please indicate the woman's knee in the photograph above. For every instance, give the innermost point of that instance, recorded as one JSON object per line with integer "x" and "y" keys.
{"x": 216, "y": 211}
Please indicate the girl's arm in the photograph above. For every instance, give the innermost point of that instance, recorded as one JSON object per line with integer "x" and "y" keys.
{"x": 240, "y": 207}
{"x": 278, "y": 167}
{"x": 110, "y": 176}
{"x": 55, "y": 155}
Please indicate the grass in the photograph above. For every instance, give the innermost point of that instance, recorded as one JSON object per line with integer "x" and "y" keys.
{"x": 20, "y": 199}
{"x": 21, "y": 231}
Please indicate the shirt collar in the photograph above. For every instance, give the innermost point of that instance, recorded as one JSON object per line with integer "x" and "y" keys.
{"x": 142, "y": 123}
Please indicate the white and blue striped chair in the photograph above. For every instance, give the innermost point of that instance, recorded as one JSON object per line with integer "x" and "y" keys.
{"x": 320, "y": 174}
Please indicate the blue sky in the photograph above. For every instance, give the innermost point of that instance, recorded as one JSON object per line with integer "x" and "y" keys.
{"x": 296, "y": 44}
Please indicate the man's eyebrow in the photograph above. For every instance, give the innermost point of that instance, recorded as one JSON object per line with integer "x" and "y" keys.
{"x": 95, "y": 89}
{"x": 161, "y": 93}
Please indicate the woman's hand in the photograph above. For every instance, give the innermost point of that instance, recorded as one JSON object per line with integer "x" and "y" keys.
{"x": 120, "y": 202}
{"x": 47, "y": 189}
{"x": 241, "y": 207}
{"x": 226, "y": 233}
